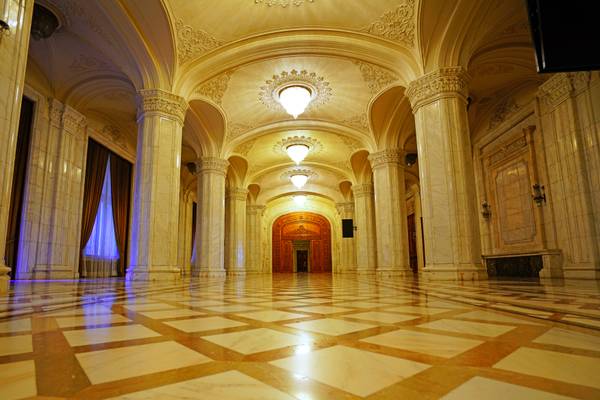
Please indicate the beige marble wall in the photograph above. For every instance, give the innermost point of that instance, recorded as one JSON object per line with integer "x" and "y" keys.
{"x": 254, "y": 230}
{"x": 390, "y": 212}
{"x": 156, "y": 193}
{"x": 235, "y": 231}
{"x": 366, "y": 243}
{"x": 348, "y": 249}
{"x": 13, "y": 53}
{"x": 210, "y": 223}
{"x": 452, "y": 248}
{"x": 569, "y": 115}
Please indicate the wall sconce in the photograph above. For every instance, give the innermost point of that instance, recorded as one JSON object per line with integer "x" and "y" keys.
{"x": 486, "y": 210}
{"x": 538, "y": 195}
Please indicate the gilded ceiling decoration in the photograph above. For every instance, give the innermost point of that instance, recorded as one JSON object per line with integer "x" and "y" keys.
{"x": 236, "y": 129}
{"x": 285, "y": 176}
{"x": 85, "y": 63}
{"x": 397, "y": 25}
{"x": 269, "y": 93}
{"x": 313, "y": 144}
{"x": 245, "y": 148}
{"x": 376, "y": 77}
{"x": 283, "y": 3}
{"x": 192, "y": 42}
{"x": 359, "y": 122}
{"x": 216, "y": 87}
{"x": 503, "y": 111}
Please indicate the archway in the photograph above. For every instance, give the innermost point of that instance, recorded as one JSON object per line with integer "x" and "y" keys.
{"x": 301, "y": 232}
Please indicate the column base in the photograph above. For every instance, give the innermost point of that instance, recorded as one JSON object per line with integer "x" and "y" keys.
{"x": 454, "y": 274}
{"x": 236, "y": 272}
{"x": 395, "y": 273}
{"x": 4, "y": 278}
{"x": 210, "y": 273}
{"x": 153, "y": 275}
{"x": 365, "y": 271}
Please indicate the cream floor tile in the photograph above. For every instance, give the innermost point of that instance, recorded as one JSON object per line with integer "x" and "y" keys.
{"x": 17, "y": 380}
{"x": 322, "y": 309}
{"x": 230, "y": 385}
{"x": 150, "y": 307}
{"x": 563, "y": 337}
{"x": 232, "y": 308}
{"x": 15, "y": 345}
{"x": 15, "y": 325}
{"x": 362, "y": 304}
{"x": 380, "y": 316}
{"x": 90, "y": 309}
{"x": 473, "y": 328}
{"x": 329, "y": 326}
{"x": 279, "y": 304}
{"x": 163, "y": 314}
{"x": 492, "y": 316}
{"x": 483, "y": 388}
{"x": 318, "y": 300}
{"x": 84, "y": 337}
{"x": 126, "y": 362}
{"x": 579, "y": 370}
{"x": 90, "y": 320}
{"x": 256, "y": 340}
{"x": 204, "y": 324}
{"x": 355, "y": 371}
{"x": 271, "y": 315}
{"x": 427, "y": 343}
{"x": 246, "y": 299}
{"x": 418, "y": 310}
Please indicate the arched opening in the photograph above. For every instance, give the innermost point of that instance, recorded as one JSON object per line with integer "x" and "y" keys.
{"x": 301, "y": 243}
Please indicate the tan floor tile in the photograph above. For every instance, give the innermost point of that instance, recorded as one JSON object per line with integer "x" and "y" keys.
{"x": 271, "y": 315}
{"x": 17, "y": 380}
{"x": 164, "y": 314}
{"x": 256, "y": 340}
{"x": 379, "y": 316}
{"x": 150, "y": 307}
{"x": 421, "y": 342}
{"x": 563, "y": 337}
{"x": 126, "y": 362}
{"x": 90, "y": 320}
{"x": 329, "y": 326}
{"x": 202, "y": 303}
{"x": 90, "y": 309}
{"x": 315, "y": 300}
{"x": 355, "y": 371}
{"x": 362, "y": 304}
{"x": 473, "y": 328}
{"x": 579, "y": 370}
{"x": 492, "y": 316}
{"x": 483, "y": 388}
{"x": 279, "y": 304}
{"x": 15, "y": 325}
{"x": 204, "y": 324}
{"x": 322, "y": 309}
{"x": 418, "y": 310}
{"x": 524, "y": 310}
{"x": 246, "y": 299}
{"x": 15, "y": 345}
{"x": 230, "y": 385}
{"x": 83, "y": 337}
{"x": 232, "y": 308}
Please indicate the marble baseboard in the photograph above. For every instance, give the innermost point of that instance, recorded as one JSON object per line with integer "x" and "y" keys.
{"x": 153, "y": 275}
{"x": 581, "y": 273}
{"x": 454, "y": 274}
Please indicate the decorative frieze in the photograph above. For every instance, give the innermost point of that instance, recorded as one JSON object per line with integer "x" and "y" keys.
{"x": 212, "y": 164}
{"x": 73, "y": 121}
{"x": 389, "y": 156}
{"x": 450, "y": 81}
{"x": 161, "y": 102}
{"x": 363, "y": 190}
{"x": 397, "y": 25}
{"x": 283, "y": 3}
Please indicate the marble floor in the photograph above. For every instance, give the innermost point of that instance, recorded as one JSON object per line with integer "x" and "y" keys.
{"x": 301, "y": 337}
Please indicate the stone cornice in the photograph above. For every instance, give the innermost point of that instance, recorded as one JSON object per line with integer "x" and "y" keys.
{"x": 211, "y": 165}
{"x": 236, "y": 194}
{"x": 559, "y": 87}
{"x": 158, "y": 101}
{"x": 365, "y": 189}
{"x": 390, "y": 156}
{"x": 72, "y": 120}
{"x": 445, "y": 82}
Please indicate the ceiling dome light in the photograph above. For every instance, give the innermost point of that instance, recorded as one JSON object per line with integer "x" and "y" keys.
{"x": 297, "y": 152}
{"x": 299, "y": 180}
{"x": 300, "y": 200}
{"x": 295, "y": 99}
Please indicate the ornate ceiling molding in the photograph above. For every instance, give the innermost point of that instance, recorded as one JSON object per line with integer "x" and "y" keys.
{"x": 216, "y": 87}
{"x": 376, "y": 77}
{"x": 503, "y": 111}
{"x": 245, "y": 148}
{"x": 286, "y": 175}
{"x": 360, "y": 122}
{"x": 313, "y": 144}
{"x": 237, "y": 129}
{"x": 283, "y": 3}
{"x": 397, "y": 25}
{"x": 192, "y": 43}
{"x": 269, "y": 93}
{"x": 85, "y": 63}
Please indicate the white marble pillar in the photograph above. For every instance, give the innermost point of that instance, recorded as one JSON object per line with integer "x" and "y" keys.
{"x": 419, "y": 229}
{"x": 366, "y": 245}
{"x": 210, "y": 217}
{"x": 254, "y": 216}
{"x": 235, "y": 231}
{"x": 452, "y": 242}
{"x": 156, "y": 192}
{"x": 13, "y": 52}
{"x": 348, "y": 250}
{"x": 390, "y": 212}
{"x": 184, "y": 242}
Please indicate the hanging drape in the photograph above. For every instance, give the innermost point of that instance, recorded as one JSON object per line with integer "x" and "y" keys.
{"x": 97, "y": 158}
{"x": 120, "y": 175}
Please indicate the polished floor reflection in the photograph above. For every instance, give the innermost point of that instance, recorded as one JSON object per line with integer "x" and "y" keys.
{"x": 301, "y": 337}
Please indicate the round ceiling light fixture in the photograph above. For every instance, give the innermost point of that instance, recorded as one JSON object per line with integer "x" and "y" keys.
{"x": 300, "y": 200}
{"x": 297, "y": 152}
{"x": 295, "y": 99}
{"x": 299, "y": 180}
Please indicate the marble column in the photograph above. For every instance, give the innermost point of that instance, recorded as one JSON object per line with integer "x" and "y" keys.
{"x": 235, "y": 225}
{"x": 14, "y": 44}
{"x": 419, "y": 228}
{"x": 452, "y": 242}
{"x": 210, "y": 217}
{"x": 184, "y": 245}
{"x": 366, "y": 245}
{"x": 348, "y": 250}
{"x": 156, "y": 192}
{"x": 390, "y": 212}
{"x": 254, "y": 214}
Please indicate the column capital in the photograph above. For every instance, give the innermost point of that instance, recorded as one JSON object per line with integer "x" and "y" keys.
{"x": 445, "y": 82}
{"x": 211, "y": 164}
{"x": 72, "y": 120}
{"x": 388, "y": 156}
{"x": 236, "y": 193}
{"x": 365, "y": 189}
{"x": 255, "y": 209}
{"x": 160, "y": 102}
{"x": 560, "y": 86}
